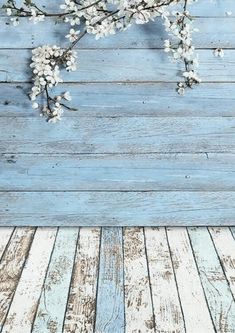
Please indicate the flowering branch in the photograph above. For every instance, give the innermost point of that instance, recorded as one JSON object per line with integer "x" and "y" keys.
{"x": 101, "y": 18}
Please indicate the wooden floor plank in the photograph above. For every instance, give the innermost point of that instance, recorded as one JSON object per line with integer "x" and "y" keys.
{"x": 196, "y": 315}
{"x": 5, "y": 235}
{"x": 138, "y": 303}
{"x": 24, "y": 305}
{"x": 110, "y": 295}
{"x": 53, "y": 301}
{"x": 11, "y": 266}
{"x": 80, "y": 313}
{"x": 166, "y": 303}
{"x": 219, "y": 297}
{"x": 225, "y": 247}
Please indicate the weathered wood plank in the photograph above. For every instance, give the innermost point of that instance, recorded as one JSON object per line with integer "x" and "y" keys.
{"x": 166, "y": 304}
{"x": 80, "y": 313}
{"x": 110, "y": 294}
{"x": 4, "y": 239}
{"x": 93, "y": 208}
{"x": 138, "y": 302}
{"x": 225, "y": 248}
{"x": 118, "y": 135}
{"x": 147, "y": 172}
{"x": 53, "y": 301}
{"x": 210, "y": 8}
{"x": 220, "y": 300}
{"x": 24, "y": 305}
{"x": 150, "y": 35}
{"x": 107, "y": 65}
{"x": 11, "y": 266}
{"x": 128, "y": 99}
{"x": 196, "y": 314}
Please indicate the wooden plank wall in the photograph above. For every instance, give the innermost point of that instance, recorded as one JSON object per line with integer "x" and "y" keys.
{"x": 122, "y": 280}
{"x": 154, "y": 157}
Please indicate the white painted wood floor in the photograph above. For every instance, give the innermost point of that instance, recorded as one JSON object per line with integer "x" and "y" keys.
{"x": 116, "y": 280}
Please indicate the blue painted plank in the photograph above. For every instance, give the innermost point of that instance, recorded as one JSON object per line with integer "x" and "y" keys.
{"x": 123, "y": 66}
{"x": 52, "y": 305}
{"x": 118, "y": 135}
{"x": 117, "y": 208}
{"x": 128, "y": 99}
{"x": 153, "y": 172}
{"x": 150, "y": 35}
{"x": 110, "y": 296}
{"x": 216, "y": 288}
{"x": 202, "y": 8}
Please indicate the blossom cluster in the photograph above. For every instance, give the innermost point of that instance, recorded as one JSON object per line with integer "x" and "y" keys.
{"x": 102, "y": 18}
{"x": 46, "y": 63}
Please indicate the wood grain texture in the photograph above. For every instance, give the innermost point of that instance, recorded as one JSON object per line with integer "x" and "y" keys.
{"x": 161, "y": 280}
{"x": 147, "y": 36}
{"x": 93, "y": 208}
{"x": 118, "y": 135}
{"x": 11, "y": 266}
{"x": 208, "y": 8}
{"x": 23, "y": 307}
{"x": 128, "y": 99}
{"x": 110, "y": 315}
{"x": 196, "y": 315}
{"x": 125, "y": 172}
{"x": 138, "y": 301}
{"x": 107, "y": 65}
{"x": 166, "y": 305}
{"x": 217, "y": 291}
{"x": 53, "y": 301}
{"x": 80, "y": 313}
{"x": 5, "y": 237}
{"x": 225, "y": 247}
{"x": 134, "y": 144}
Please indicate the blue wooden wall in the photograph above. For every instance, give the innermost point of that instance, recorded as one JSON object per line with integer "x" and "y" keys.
{"x": 136, "y": 153}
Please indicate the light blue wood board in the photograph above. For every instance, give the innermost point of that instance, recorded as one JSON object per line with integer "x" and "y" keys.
{"x": 123, "y": 65}
{"x": 125, "y": 172}
{"x": 118, "y": 135}
{"x": 127, "y": 133}
{"x": 151, "y": 35}
{"x": 53, "y": 301}
{"x": 211, "y": 8}
{"x": 117, "y": 208}
{"x": 216, "y": 287}
{"x": 128, "y": 99}
{"x": 110, "y": 294}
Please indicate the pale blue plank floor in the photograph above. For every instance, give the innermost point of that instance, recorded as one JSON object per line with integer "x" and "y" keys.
{"x": 96, "y": 280}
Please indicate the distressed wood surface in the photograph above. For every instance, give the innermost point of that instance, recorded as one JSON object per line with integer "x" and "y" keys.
{"x": 118, "y": 135}
{"x": 217, "y": 291}
{"x": 208, "y": 8}
{"x": 162, "y": 172}
{"x": 53, "y": 300}
{"x": 128, "y": 99}
{"x": 134, "y": 144}
{"x": 166, "y": 305}
{"x": 110, "y": 315}
{"x": 131, "y": 280}
{"x": 138, "y": 36}
{"x": 196, "y": 314}
{"x": 80, "y": 313}
{"x": 107, "y": 65}
{"x": 138, "y": 298}
{"x": 98, "y": 208}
